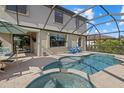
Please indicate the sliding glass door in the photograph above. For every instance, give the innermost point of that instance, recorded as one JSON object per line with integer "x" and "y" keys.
{"x": 21, "y": 43}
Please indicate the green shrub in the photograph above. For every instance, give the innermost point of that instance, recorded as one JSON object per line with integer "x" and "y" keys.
{"x": 110, "y": 46}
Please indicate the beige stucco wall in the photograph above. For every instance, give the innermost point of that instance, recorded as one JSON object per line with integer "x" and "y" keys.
{"x": 72, "y": 41}
{"x": 37, "y": 16}
{"x": 6, "y": 40}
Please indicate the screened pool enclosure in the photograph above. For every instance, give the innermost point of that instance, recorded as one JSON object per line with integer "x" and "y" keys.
{"x": 104, "y": 32}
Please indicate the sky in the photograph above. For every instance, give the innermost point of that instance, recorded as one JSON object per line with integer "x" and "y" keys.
{"x": 97, "y": 11}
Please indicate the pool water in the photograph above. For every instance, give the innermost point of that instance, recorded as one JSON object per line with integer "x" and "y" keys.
{"x": 60, "y": 80}
{"x": 89, "y": 64}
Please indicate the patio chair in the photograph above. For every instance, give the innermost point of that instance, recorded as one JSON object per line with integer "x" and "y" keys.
{"x": 72, "y": 50}
{"x": 78, "y": 49}
{"x": 6, "y": 56}
{"x": 4, "y": 51}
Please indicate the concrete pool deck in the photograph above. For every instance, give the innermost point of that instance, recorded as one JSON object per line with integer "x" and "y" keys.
{"x": 22, "y": 72}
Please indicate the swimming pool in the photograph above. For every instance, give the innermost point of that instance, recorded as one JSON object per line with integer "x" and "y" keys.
{"x": 89, "y": 64}
{"x": 60, "y": 80}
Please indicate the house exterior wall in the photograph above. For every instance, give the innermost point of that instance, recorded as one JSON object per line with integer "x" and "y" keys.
{"x": 71, "y": 41}
{"x": 36, "y": 17}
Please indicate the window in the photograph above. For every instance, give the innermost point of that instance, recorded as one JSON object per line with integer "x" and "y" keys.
{"x": 77, "y": 22}
{"x": 57, "y": 40}
{"x": 21, "y": 8}
{"x": 58, "y": 17}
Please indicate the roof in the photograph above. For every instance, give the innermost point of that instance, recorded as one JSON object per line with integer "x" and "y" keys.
{"x": 95, "y": 37}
